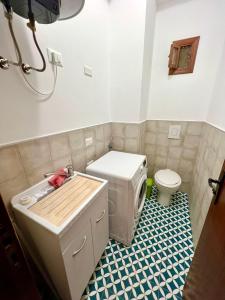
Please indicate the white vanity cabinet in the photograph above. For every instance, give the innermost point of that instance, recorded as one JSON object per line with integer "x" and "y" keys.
{"x": 69, "y": 230}
{"x": 90, "y": 235}
{"x": 100, "y": 227}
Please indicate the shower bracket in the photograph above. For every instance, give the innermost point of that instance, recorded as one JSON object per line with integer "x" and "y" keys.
{"x": 26, "y": 68}
{"x": 4, "y": 63}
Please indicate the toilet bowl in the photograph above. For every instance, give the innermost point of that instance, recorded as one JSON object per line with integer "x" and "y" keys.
{"x": 167, "y": 182}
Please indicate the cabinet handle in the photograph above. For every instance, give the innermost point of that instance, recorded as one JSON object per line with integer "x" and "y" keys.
{"x": 102, "y": 216}
{"x": 82, "y": 246}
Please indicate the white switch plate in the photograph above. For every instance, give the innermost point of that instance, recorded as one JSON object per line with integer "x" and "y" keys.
{"x": 88, "y": 71}
{"x": 174, "y": 132}
{"x": 55, "y": 57}
{"x": 89, "y": 141}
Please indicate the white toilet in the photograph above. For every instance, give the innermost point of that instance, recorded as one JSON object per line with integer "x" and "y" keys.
{"x": 167, "y": 182}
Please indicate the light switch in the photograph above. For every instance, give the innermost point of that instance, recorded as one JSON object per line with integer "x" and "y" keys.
{"x": 174, "y": 132}
{"x": 55, "y": 57}
{"x": 88, "y": 141}
{"x": 88, "y": 71}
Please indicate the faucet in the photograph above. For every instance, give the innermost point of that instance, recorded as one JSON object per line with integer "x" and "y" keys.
{"x": 69, "y": 172}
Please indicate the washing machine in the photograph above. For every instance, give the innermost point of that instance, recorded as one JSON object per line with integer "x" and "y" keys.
{"x": 126, "y": 174}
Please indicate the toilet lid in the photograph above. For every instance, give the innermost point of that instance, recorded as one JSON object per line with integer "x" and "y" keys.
{"x": 168, "y": 177}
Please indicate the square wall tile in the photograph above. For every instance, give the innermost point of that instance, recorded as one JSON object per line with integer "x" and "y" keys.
{"x": 132, "y": 145}
{"x": 100, "y": 149}
{"x": 107, "y": 131}
{"x": 186, "y": 176}
{"x": 38, "y": 174}
{"x": 210, "y": 159}
{"x": 160, "y": 162}
{"x": 163, "y": 126}
{"x": 189, "y": 154}
{"x": 150, "y": 138}
{"x": 162, "y": 151}
{"x": 90, "y": 153}
{"x": 175, "y": 152}
{"x": 142, "y": 137}
{"x": 10, "y": 164}
{"x": 99, "y": 133}
{"x": 217, "y": 167}
{"x": 194, "y": 128}
{"x": 132, "y": 131}
{"x": 186, "y": 166}
{"x": 221, "y": 149}
{"x": 150, "y": 150}
{"x": 59, "y": 145}
{"x": 107, "y": 145}
{"x": 151, "y": 160}
{"x": 185, "y": 188}
{"x": 76, "y": 139}
{"x": 118, "y": 130}
{"x": 191, "y": 141}
{"x": 162, "y": 139}
{"x": 209, "y": 134}
{"x": 218, "y": 140}
{"x": 79, "y": 160}
{"x": 176, "y": 143}
{"x": 13, "y": 187}
{"x": 118, "y": 144}
{"x": 173, "y": 164}
{"x": 151, "y": 126}
{"x": 34, "y": 154}
{"x": 62, "y": 162}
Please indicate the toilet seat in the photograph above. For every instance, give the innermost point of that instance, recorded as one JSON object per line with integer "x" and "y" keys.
{"x": 168, "y": 178}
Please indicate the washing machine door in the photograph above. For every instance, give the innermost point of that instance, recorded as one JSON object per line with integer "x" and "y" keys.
{"x": 140, "y": 196}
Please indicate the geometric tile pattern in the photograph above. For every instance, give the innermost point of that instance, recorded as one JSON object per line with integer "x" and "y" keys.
{"x": 156, "y": 264}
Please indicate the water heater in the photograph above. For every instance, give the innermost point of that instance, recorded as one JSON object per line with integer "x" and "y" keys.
{"x": 43, "y": 12}
{"x": 46, "y": 11}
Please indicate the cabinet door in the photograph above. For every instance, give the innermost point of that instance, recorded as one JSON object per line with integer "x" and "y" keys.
{"x": 79, "y": 258}
{"x": 100, "y": 225}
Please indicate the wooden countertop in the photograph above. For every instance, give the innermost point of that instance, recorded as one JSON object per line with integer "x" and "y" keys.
{"x": 63, "y": 202}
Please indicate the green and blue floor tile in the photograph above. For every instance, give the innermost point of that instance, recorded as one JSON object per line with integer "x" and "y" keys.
{"x": 156, "y": 264}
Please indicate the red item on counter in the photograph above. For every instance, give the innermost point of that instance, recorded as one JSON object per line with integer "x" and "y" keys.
{"x": 59, "y": 178}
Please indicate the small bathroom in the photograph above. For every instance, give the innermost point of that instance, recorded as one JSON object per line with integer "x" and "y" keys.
{"x": 112, "y": 149}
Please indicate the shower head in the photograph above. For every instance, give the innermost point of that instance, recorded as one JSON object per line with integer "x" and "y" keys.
{"x": 45, "y": 11}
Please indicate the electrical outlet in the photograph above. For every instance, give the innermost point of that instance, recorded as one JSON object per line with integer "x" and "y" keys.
{"x": 55, "y": 57}
{"x": 88, "y": 141}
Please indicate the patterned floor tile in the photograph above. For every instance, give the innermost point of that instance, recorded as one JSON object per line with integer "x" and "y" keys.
{"x": 156, "y": 264}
